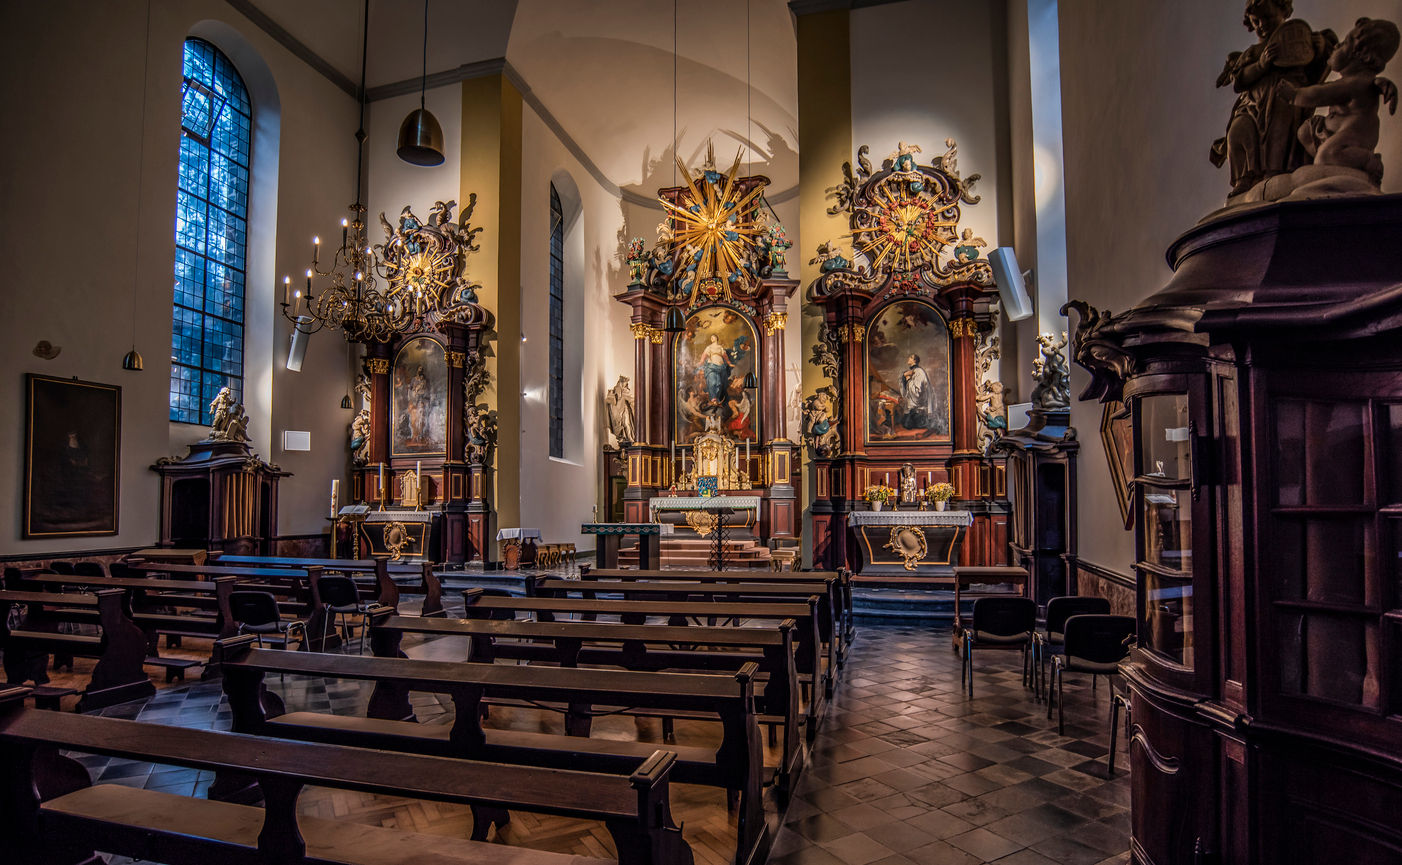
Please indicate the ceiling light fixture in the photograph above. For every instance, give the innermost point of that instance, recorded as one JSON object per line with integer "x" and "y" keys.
{"x": 420, "y": 136}
{"x": 132, "y": 361}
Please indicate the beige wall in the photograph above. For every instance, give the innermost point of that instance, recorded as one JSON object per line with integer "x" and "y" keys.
{"x": 71, "y": 83}
{"x": 1140, "y": 112}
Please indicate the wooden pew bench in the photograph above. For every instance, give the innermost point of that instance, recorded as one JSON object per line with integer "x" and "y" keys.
{"x": 843, "y": 577}
{"x": 390, "y": 579}
{"x": 152, "y": 605}
{"x": 645, "y": 648}
{"x": 816, "y": 661}
{"x": 829, "y": 599}
{"x": 51, "y": 812}
{"x": 119, "y": 647}
{"x": 298, "y": 590}
{"x": 736, "y": 765}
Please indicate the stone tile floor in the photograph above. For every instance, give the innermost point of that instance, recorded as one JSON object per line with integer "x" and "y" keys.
{"x": 906, "y": 768}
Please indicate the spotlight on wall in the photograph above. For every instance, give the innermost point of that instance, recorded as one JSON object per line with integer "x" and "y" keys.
{"x": 1012, "y": 286}
{"x": 298, "y": 351}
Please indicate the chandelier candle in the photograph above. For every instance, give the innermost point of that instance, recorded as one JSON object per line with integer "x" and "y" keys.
{"x": 286, "y": 290}
{"x": 316, "y": 250}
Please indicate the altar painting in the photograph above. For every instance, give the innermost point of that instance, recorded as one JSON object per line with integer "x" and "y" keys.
{"x": 419, "y": 400}
{"x": 907, "y": 394}
{"x": 710, "y": 361}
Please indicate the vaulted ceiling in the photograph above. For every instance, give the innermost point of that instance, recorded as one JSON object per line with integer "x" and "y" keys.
{"x": 603, "y": 70}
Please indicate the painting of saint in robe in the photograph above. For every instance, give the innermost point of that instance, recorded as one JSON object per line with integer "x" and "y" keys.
{"x": 710, "y": 361}
{"x": 908, "y": 374}
{"x": 419, "y": 400}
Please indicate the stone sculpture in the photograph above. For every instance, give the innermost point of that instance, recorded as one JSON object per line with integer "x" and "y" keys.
{"x": 1050, "y": 371}
{"x": 228, "y": 422}
{"x": 1261, "y": 133}
{"x": 820, "y": 423}
{"x": 481, "y": 435}
{"x": 360, "y": 437}
{"x": 907, "y": 480}
{"x": 621, "y": 415}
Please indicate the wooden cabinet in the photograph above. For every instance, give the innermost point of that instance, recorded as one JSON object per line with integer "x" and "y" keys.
{"x": 1264, "y": 383}
{"x": 1042, "y": 525}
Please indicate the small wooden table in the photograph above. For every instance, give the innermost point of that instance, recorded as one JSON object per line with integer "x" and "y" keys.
{"x": 607, "y": 535}
{"x": 969, "y": 575}
{"x": 514, "y": 543}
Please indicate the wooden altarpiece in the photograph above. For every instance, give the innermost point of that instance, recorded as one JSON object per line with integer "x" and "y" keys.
{"x": 731, "y": 289}
{"x": 901, "y": 326}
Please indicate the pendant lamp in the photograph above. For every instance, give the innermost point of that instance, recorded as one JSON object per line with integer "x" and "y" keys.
{"x": 675, "y": 321}
{"x": 132, "y": 361}
{"x": 420, "y": 136}
{"x": 750, "y": 383}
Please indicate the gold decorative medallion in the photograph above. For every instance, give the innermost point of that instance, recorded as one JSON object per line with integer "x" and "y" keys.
{"x": 703, "y": 522}
{"x": 908, "y": 542}
{"x": 397, "y": 539}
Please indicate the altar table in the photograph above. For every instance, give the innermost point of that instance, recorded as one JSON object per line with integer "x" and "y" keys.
{"x": 907, "y": 543}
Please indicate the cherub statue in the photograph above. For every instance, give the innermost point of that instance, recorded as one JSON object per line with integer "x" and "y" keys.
{"x": 621, "y": 417}
{"x": 1260, "y": 140}
{"x": 228, "y": 422}
{"x": 819, "y": 424}
{"x": 903, "y": 158}
{"x": 1049, "y": 370}
{"x": 829, "y": 258}
{"x": 992, "y": 412}
{"x": 360, "y": 438}
{"x": 481, "y": 435}
{"x": 1347, "y": 133}
{"x": 967, "y": 248}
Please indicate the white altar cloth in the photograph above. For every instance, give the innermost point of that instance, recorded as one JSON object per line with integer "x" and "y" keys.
{"x": 910, "y": 518}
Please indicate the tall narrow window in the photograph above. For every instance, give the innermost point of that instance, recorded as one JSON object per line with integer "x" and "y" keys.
{"x": 557, "y": 325}
{"x": 211, "y": 233}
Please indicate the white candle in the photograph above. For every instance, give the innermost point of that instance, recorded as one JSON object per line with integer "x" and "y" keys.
{"x": 335, "y": 496}
{"x": 418, "y": 468}
{"x": 929, "y": 478}
{"x": 888, "y": 479}
{"x": 674, "y": 454}
{"x": 380, "y": 489}
{"x": 747, "y": 456}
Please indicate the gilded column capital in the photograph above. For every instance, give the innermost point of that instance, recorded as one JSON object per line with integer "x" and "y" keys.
{"x": 377, "y": 365}
{"x": 457, "y": 359}
{"x": 641, "y": 329}
{"x": 775, "y": 321}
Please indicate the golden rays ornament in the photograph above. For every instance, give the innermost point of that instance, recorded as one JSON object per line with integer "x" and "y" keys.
{"x": 716, "y": 227}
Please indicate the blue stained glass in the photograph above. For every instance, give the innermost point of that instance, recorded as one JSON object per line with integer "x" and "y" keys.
{"x": 211, "y": 233}
{"x": 557, "y": 328}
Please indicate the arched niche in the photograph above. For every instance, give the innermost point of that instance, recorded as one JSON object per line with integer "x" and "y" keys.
{"x": 908, "y": 375}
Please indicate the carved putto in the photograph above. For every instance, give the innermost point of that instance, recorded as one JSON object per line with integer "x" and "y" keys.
{"x": 227, "y": 422}
{"x": 621, "y": 417}
{"x": 820, "y": 423}
{"x": 989, "y": 393}
{"x": 481, "y": 425}
{"x": 1051, "y": 373}
{"x": 905, "y": 226}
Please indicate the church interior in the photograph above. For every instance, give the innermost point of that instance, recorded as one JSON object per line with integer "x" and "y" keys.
{"x": 624, "y": 431}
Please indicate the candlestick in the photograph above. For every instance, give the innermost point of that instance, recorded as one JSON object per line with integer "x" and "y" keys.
{"x": 316, "y": 250}
{"x": 286, "y": 289}
{"x": 747, "y": 456}
{"x": 344, "y": 225}
{"x": 382, "y": 479}
{"x": 674, "y": 454}
{"x": 309, "y": 283}
{"x": 888, "y": 479}
{"x": 335, "y": 496}
{"x": 929, "y": 478}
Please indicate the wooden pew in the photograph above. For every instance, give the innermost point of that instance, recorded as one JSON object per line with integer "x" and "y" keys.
{"x": 383, "y": 570}
{"x": 829, "y": 624}
{"x": 811, "y": 651}
{"x": 119, "y": 648}
{"x": 299, "y": 585}
{"x": 50, "y": 812}
{"x": 149, "y": 604}
{"x": 736, "y": 765}
{"x": 655, "y": 648}
{"x": 843, "y": 577}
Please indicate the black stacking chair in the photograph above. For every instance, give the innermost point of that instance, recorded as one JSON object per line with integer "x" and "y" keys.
{"x": 1048, "y": 642}
{"x": 257, "y": 613}
{"x": 89, "y": 569}
{"x": 999, "y": 623}
{"x": 342, "y": 599}
{"x": 61, "y": 567}
{"x": 1095, "y": 644}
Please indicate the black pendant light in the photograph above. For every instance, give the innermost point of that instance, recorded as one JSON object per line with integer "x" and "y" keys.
{"x": 420, "y": 136}
{"x": 750, "y": 383}
{"x": 132, "y": 361}
{"x": 675, "y": 321}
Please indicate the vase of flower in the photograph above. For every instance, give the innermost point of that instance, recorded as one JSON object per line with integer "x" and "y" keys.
{"x": 941, "y": 504}
{"x": 876, "y": 505}
{"x": 940, "y": 494}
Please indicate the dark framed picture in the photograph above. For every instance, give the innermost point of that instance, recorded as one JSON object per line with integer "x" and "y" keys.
{"x": 1117, "y": 435}
{"x": 72, "y": 457}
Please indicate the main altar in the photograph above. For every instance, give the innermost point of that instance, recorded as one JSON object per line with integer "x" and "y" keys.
{"x": 709, "y": 309}
{"x": 908, "y": 345}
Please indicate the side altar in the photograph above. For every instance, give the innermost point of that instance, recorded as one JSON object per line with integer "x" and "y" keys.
{"x": 907, "y": 543}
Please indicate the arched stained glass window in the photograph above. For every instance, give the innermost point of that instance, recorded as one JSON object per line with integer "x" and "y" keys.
{"x": 211, "y": 233}
{"x": 557, "y": 325}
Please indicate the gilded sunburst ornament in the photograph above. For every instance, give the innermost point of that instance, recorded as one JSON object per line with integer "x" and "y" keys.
{"x": 716, "y": 225}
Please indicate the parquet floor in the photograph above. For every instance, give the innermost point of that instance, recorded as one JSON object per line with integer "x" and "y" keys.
{"x": 905, "y": 770}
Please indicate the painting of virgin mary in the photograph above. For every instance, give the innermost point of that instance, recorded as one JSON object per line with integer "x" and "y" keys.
{"x": 710, "y": 361}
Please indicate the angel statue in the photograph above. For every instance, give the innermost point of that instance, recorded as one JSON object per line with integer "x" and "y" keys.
{"x": 968, "y": 246}
{"x": 621, "y": 418}
{"x": 992, "y": 412}
{"x": 1049, "y": 370}
{"x": 820, "y": 424}
{"x": 228, "y": 422}
{"x": 360, "y": 437}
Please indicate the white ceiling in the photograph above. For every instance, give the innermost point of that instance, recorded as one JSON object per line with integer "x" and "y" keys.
{"x": 604, "y": 70}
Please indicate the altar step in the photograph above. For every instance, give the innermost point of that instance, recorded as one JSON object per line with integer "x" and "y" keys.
{"x": 692, "y": 553}
{"x": 891, "y": 603}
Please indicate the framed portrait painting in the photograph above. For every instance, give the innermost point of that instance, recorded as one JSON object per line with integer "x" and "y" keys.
{"x": 72, "y": 457}
{"x": 419, "y": 399}
{"x": 907, "y": 355}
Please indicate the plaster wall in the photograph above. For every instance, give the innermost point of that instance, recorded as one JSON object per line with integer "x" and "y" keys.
{"x": 74, "y": 177}
{"x": 1139, "y": 113}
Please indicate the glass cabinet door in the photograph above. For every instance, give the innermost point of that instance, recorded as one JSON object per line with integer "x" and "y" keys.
{"x": 1164, "y": 477}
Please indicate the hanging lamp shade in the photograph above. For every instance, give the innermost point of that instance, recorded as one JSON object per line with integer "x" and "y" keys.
{"x": 421, "y": 138}
{"x": 750, "y": 383}
{"x": 675, "y": 322}
{"x": 133, "y": 361}
{"x": 346, "y": 401}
